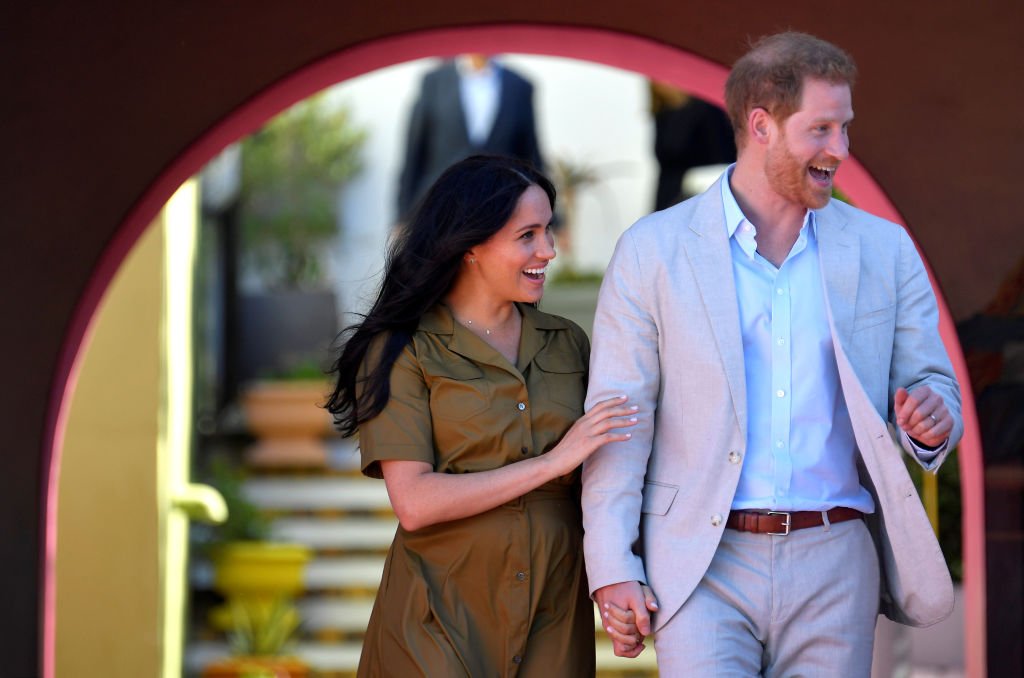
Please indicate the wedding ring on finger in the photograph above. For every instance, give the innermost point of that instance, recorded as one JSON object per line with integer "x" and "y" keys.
{"x": 934, "y": 420}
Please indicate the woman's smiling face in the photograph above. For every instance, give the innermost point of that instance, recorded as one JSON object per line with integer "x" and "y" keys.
{"x": 511, "y": 264}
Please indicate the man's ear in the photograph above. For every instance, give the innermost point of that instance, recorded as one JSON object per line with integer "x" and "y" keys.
{"x": 760, "y": 125}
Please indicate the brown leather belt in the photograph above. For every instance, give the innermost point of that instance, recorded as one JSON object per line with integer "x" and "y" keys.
{"x": 783, "y": 522}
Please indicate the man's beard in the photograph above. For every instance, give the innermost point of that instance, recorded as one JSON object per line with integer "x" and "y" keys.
{"x": 789, "y": 178}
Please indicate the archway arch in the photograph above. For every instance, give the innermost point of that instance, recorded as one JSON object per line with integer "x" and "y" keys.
{"x": 695, "y": 74}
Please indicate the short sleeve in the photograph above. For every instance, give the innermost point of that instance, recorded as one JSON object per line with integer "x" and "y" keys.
{"x": 403, "y": 430}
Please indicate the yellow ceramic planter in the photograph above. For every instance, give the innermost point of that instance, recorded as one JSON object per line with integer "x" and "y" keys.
{"x": 262, "y": 569}
{"x": 256, "y": 575}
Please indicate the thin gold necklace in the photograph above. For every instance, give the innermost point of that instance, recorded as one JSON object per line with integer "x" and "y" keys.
{"x": 469, "y": 323}
{"x": 487, "y": 330}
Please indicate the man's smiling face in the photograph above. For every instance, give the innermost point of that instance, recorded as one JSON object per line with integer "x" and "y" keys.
{"x": 810, "y": 144}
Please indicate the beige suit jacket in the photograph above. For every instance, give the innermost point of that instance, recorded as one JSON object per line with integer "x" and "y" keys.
{"x": 667, "y": 333}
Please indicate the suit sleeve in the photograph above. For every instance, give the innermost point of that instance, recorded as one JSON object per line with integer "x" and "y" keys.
{"x": 919, "y": 357}
{"x": 531, "y": 150}
{"x": 416, "y": 142}
{"x": 624, "y": 361}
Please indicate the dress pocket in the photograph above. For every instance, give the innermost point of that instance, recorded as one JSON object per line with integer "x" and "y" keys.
{"x": 458, "y": 391}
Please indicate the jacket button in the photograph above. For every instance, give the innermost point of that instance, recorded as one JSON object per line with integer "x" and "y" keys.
{"x": 716, "y": 520}
{"x": 734, "y": 457}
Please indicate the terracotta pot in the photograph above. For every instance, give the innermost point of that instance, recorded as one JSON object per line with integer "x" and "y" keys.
{"x": 286, "y": 409}
{"x": 251, "y": 667}
{"x": 286, "y": 418}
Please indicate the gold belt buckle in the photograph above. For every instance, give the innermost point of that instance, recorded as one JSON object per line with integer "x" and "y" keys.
{"x": 787, "y": 524}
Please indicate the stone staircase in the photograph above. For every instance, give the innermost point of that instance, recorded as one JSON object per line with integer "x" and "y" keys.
{"x": 347, "y": 520}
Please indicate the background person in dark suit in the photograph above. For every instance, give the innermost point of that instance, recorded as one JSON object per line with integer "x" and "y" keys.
{"x": 466, "y": 106}
{"x": 688, "y": 132}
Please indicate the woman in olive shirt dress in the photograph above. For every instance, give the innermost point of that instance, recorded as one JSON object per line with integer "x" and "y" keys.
{"x": 469, "y": 403}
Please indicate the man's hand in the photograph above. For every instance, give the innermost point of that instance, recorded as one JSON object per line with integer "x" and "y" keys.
{"x": 923, "y": 415}
{"x": 625, "y": 611}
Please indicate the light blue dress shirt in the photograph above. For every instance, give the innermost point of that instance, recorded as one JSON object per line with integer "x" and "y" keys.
{"x": 480, "y": 92}
{"x": 801, "y": 452}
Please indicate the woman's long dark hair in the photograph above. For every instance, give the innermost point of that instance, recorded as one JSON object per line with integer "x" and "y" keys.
{"x": 468, "y": 204}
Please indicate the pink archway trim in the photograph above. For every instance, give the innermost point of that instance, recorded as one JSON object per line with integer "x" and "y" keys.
{"x": 696, "y": 74}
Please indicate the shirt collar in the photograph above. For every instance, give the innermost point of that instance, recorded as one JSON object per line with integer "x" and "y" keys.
{"x": 465, "y": 70}
{"x": 734, "y": 218}
{"x": 439, "y": 320}
{"x": 733, "y": 214}
{"x": 459, "y": 339}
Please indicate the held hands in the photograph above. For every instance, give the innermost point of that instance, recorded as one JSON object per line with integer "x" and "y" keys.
{"x": 923, "y": 415}
{"x": 625, "y": 611}
{"x": 594, "y": 429}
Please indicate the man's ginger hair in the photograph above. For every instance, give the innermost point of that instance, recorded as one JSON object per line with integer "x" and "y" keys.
{"x": 771, "y": 76}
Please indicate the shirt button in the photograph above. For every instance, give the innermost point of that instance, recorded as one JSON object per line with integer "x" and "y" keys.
{"x": 779, "y": 444}
{"x": 521, "y": 406}
{"x": 781, "y": 342}
{"x": 524, "y": 450}
{"x": 780, "y": 393}
{"x": 779, "y": 291}
{"x": 517, "y": 660}
{"x": 521, "y": 576}
{"x": 716, "y": 520}
{"x": 734, "y": 457}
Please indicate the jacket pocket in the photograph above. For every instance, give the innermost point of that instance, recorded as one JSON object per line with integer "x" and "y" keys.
{"x": 872, "y": 318}
{"x": 658, "y": 497}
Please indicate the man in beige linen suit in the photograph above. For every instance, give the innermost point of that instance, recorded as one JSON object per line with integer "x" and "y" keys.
{"x": 783, "y": 349}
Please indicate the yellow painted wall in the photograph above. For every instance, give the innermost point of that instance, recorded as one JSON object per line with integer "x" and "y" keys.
{"x": 108, "y": 522}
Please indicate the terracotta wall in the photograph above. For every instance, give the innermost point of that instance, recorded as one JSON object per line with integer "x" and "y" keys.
{"x": 96, "y": 100}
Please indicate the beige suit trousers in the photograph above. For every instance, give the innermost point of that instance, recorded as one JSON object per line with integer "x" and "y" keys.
{"x": 779, "y": 606}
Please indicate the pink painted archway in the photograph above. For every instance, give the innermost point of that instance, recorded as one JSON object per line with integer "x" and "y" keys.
{"x": 691, "y": 72}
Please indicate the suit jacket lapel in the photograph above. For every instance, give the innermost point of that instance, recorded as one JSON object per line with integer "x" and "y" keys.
{"x": 451, "y": 98}
{"x": 839, "y": 255}
{"x": 711, "y": 261}
{"x": 506, "y": 106}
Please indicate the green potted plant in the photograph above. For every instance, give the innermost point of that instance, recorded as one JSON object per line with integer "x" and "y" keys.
{"x": 260, "y": 641}
{"x": 293, "y": 170}
{"x": 251, "y": 571}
